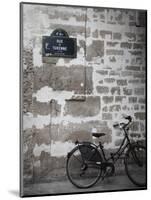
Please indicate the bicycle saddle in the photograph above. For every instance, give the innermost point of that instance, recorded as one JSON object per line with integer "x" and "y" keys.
{"x": 98, "y": 134}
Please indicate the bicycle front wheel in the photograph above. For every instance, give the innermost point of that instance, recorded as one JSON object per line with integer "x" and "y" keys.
{"x": 82, "y": 170}
{"x": 135, "y": 165}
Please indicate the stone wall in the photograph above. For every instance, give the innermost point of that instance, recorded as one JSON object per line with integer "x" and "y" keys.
{"x": 64, "y": 98}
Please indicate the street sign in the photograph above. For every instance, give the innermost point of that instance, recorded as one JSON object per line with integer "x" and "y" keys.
{"x": 59, "y": 45}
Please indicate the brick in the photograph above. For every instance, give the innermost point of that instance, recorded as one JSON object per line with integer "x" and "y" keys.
{"x": 141, "y": 18}
{"x": 130, "y": 36}
{"x": 134, "y": 126}
{"x": 139, "y": 75}
{"x": 106, "y": 34}
{"x": 117, "y": 36}
{"x": 140, "y": 115}
{"x": 115, "y": 108}
{"x": 105, "y": 109}
{"x": 126, "y": 45}
{"x": 133, "y": 68}
{"x": 122, "y": 82}
{"x": 132, "y": 23}
{"x": 95, "y": 49}
{"x": 135, "y": 135}
{"x": 114, "y": 73}
{"x": 126, "y": 73}
{"x": 133, "y": 81}
{"x": 114, "y": 52}
{"x": 138, "y": 46}
{"x": 139, "y": 60}
{"x": 109, "y": 80}
{"x": 102, "y": 72}
{"x": 142, "y": 107}
{"x": 142, "y": 100}
{"x": 115, "y": 90}
{"x": 119, "y": 98}
{"x": 107, "y": 99}
{"x": 139, "y": 91}
{"x": 127, "y": 91}
{"x": 95, "y": 34}
{"x": 106, "y": 116}
{"x": 102, "y": 89}
{"x": 112, "y": 44}
{"x": 101, "y": 82}
{"x": 112, "y": 59}
{"x": 142, "y": 127}
{"x": 143, "y": 81}
{"x": 132, "y": 99}
{"x": 136, "y": 107}
{"x": 135, "y": 53}
{"x": 141, "y": 37}
{"x": 87, "y": 108}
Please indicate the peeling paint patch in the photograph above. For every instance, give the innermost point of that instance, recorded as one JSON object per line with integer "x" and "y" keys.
{"x": 40, "y": 121}
{"x": 46, "y": 94}
{"x": 37, "y": 57}
{"x": 61, "y": 148}
{"x": 38, "y": 149}
{"x": 37, "y": 163}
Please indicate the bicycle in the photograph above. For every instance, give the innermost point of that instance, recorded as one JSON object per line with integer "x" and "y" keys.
{"x": 86, "y": 164}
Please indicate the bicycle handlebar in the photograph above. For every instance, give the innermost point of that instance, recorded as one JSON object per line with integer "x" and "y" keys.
{"x": 129, "y": 118}
{"x": 123, "y": 125}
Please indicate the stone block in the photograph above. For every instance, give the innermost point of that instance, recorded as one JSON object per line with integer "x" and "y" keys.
{"x": 106, "y": 116}
{"x": 140, "y": 115}
{"x": 134, "y": 126}
{"x": 102, "y": 89}
{"x": 104, "y": 34}
{"x": 102, "y": 72}
{"x": 115, "y": 90}
{"x": 122, "y": 82}
{"x": 109, "y": 80}
{"x": 112, "y": 59}
{"x": 138, "y": 46}
{"x": 107, "y": 99}
{"x": 134, "y": 68}
{"x": 142, "y": 100}
{"x": 130, "y": 36}
{"x": 114, "y": 52}
{"x": 87, "y": 108}
{"x": 115, "y": 108}
{"x": 112, "y": 44}
{"x": 132, "y": 99}
{"x": 135, "y": 53}
{"x": 117, "y": 36}
{"x": 139, "y": 91}
{"x": 127, "y": 91}
{"x": 96, "y": 49}
{"x": 119, "y": 98}
{"x": 126, "y": 73}
{"x": 126, "y": 45}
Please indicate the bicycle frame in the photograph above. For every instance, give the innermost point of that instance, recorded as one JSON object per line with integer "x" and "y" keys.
{"x": 115, "y": 156}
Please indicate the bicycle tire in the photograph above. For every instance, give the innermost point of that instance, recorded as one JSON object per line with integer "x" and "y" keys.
{"x": 135, "y": 165}
{"x": 75, "y": 167}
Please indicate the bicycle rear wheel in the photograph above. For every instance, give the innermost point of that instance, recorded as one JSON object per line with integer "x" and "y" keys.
{"x": 135, "y": 165}
{"x": 82, "y": 169}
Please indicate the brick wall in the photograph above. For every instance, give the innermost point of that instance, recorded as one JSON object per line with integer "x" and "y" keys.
{"x": 64, "y": 98}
